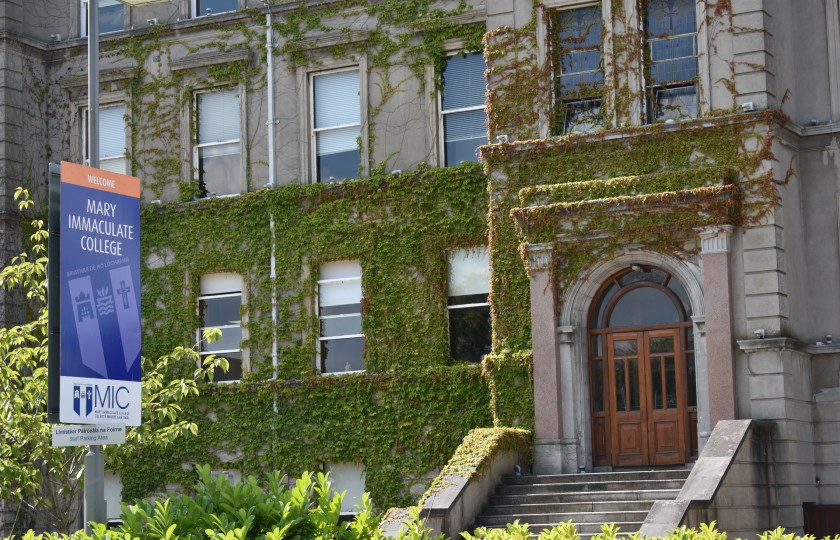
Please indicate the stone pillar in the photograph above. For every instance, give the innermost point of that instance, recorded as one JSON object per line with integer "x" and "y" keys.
{"x": 548, "y": 414}
{"x": 714, "y": 253}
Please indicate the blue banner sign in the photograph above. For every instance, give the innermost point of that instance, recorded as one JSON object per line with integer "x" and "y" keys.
{"x": 100, "y": 296}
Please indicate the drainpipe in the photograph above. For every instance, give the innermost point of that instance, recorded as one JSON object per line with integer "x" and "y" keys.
{"x": 270, "y": 123}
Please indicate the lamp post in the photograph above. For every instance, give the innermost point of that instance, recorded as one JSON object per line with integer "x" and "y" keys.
{"x": 94, "y": 507}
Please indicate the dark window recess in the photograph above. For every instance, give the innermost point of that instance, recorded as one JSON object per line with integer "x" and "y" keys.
{"x": 469, "y": 332}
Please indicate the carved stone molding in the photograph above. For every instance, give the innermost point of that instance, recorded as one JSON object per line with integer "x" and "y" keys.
{"x": 566, "y": 334}
{"x": 715, "y": 239}
{"x": 699, "y": 324}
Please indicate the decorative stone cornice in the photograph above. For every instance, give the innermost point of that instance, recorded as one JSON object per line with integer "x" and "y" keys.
{"x": 539, "y": 257}
{"x": 715, "y": 239}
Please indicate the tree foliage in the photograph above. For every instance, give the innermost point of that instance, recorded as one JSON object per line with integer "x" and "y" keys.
{"x": 39, "y": 479}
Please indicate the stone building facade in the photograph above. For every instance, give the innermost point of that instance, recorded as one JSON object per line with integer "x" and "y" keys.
{"x": 661, "y": 220}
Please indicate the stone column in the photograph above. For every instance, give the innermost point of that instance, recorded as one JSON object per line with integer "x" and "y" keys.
{"x": 714, "y": 253}
{"x": 548, "y": 414}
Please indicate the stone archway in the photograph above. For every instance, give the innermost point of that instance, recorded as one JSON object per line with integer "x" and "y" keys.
{"x": 561, "y": 375}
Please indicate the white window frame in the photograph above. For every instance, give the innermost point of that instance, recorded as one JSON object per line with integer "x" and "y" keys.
{"x": 83, "y": 19}
{"x": 196, "y": 146}
{"x": 84, "y": 111}
{"x": 313, "y": 131}
{"x": 200, "y": 332}
{"x": 322, "y": 338}
{"x": 443, "y": 112}
{"x": 195, "y": 15}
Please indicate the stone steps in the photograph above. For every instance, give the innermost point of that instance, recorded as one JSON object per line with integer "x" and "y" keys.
{"x": 588, "y": 499}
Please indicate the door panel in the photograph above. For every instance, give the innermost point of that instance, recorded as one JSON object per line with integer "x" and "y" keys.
{"x": 647, "y": 407}
{"x": 666, "y": 403}
{"x": 629, "y": 424}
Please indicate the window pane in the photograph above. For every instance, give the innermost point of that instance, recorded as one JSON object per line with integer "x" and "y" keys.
{"x": 234, "y": 368}
{"x": 469, "y": 272}
{"x": 340, "y": 269}
{"x": 656, "y": 382}
{"x": 467, "y": 299}
{"x": 678, "y": 289}
{"x": 331, "y": 160}
{"x": 644, "y": 306}
{"x": 111, "y": 18}
{"x": 231, "y": 340}
{"x": 219, "y": 169}
{"x": 689, "y": 339}
{"x": 219, "y": 311}
{"x": 681, "y": 70}
{"x": 221, "y": 283}
{"x": 579, "y": 28}
{"x": 603, "y": 302}
{"x": 218, "y": 116}
{"x": 463, "y": 133}
{"x": 117, "y": 165}
{"x": 692, "y": 380}
{"x": 597, "y": 386}
{"x": 670, "y": 382}
{"x": 620, "y": 386}
{"x": 577, "y": 48}
{"x": 675, "y": 103}
{"x": 595, "y": 342}
{"x": 625, "y": 347}
{"x": 633, "y": 380}
{"x": 673, "y": 47}
{"x": 112, "y": 131}
{"x": 661, "y": 345}
{"x": 582, "y": 116}
{"x": 339, "y": 355}
{"x": 463, "y": 81}
{"x": 469, "y": 333}
{"x": 215, "y": 6}
{"x": 670, "y": 17}
{"x": 651, "y": 275}
{"x": 337, "y": 293}
{"x": 337, "y": 99}
{"x": 341, "y": 326}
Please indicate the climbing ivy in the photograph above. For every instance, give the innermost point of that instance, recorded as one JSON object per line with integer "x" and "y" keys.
{"x": 408, "y": 413}
{"x": 404, "y": 417}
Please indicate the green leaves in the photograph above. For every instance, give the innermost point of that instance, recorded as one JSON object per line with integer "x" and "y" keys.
{"x": 43, "y": 480}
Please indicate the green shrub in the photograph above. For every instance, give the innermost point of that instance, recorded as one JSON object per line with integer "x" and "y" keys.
{"x": 219, "y": 510}
{"x": 567, "y": 531}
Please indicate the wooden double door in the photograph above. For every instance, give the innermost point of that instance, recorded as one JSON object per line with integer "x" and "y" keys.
{"x": 646, "y": 382}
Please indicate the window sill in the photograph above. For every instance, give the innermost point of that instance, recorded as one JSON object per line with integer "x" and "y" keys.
{"x": 340, "y": 373}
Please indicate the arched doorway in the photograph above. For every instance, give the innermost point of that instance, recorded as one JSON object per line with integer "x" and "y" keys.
{"x": 643, "y": 397}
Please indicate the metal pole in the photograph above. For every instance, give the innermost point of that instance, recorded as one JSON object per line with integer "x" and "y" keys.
{"x": 94, "y": 488}
{"x": 94, "y": 462}
{"x": 93, "y": 82}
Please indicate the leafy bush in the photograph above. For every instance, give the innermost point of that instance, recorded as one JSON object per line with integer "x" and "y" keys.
{"x": 567, "y": 531}
{"x": 219, "y": 510}
{"x": 310, "y": 510}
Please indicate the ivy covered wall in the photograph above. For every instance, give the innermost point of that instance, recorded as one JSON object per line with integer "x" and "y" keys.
{"x": 404, "y": 417}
